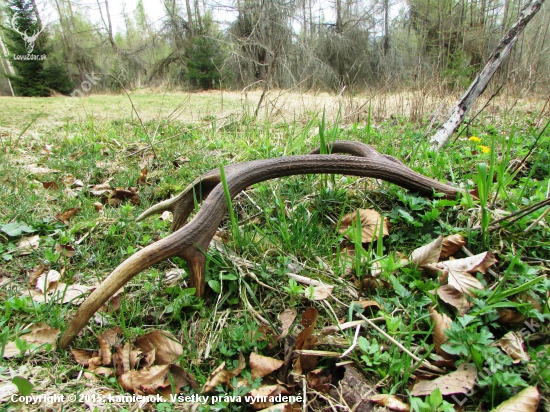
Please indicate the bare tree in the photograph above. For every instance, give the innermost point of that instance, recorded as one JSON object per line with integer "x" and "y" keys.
{"x": 478, "y": 86}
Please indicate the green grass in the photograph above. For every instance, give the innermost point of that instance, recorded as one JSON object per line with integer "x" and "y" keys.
{"x": 282, "y": 226}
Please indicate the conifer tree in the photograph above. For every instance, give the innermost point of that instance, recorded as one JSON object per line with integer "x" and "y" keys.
{"x": 27, "y": 43}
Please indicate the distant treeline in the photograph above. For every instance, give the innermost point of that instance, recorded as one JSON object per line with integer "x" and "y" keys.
{"x": 365, "y": 44}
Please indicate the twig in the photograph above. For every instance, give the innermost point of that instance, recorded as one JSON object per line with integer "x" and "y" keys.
{"x": 139, "y": 118}
{"x": 532, "y": 225}
{"x": 533, "y": 147}
{"x": 400, "y": 346}
{"x": 354, "y": 344}
{"x": 392, "y": 340}
{"x": 516, "y": 215}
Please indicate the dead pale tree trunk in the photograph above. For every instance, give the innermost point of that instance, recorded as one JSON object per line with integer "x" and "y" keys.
{"x": 478, "y": 86}
{"x": 8, "y": 69}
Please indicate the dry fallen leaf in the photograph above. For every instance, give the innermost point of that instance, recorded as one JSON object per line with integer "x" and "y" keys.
{"x": 287, "y": 318}
{"x": 34, "y": 274}
{"x": 149, "y": 381}
{"x": 50, "y": 185}
{"x": 525, "y": 401}
{"x": 264, "y": 392}
{"x": 73, "y": 294}
{"x": 40, "y": 334}
{"x": 167, "y": 215}
{"x": 98, "y": 206}
{"x": 122, "y": 361}
{"x": 45, "y": 280}
{"x": 104, "y": 351}
{"x": 82, "y": 357}
{"x": 472, "y": 264}
{"x": 459, "y": 271}
{"x": 391, "y": 402}
{"x": 460, "y": 381}
{"x": 370, "y": 224}
{"x": 367, "y": 303}
{"x": 322, "y": 292}
{"x": 263, "y": 365}
{"x": 27, "y": 245}
{"x": 67, "y": 214}
{"x": 65, "y": 250}
{"x": 450, "y": 295}
{"x": 142, "y": 179}
{"x": 306, "y": 340}
{"x": 320, "y": 380}
{"x": 441, "y": 323}
{"x": 38, "y": 170}
{"x": 451, "y": 244}
{"x": 167, "y": 348}
{"x": 219, "y": 376}
{"x": 427, "y": 254}
{"x": 513, "y": 344}
{"x": 510, "y": 316}
{"x": 7, "y": 389}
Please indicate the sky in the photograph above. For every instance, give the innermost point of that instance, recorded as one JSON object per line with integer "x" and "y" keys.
{"x": 153, "y": 8}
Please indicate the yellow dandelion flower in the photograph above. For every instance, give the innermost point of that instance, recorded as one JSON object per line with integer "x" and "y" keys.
{"x": 475, "y": 139}
{"x": 484, "y": 149}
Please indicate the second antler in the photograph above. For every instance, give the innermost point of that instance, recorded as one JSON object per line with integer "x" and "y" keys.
{"x": 190, "y": 241}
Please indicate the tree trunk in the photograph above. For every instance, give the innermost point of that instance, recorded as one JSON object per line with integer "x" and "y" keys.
{"x": 38, "y": 19}
{"x": 478, "y": 86}
{"x": 338, "y": 16}
{"x": 189, "y": 18}
{"x": 386, "y": 45}
{"x": 8, "y": 69}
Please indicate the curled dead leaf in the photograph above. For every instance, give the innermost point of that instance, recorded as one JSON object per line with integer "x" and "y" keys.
{"x": 450, "y": 295}
{"x": 27, "y": 245}
{"x": 510, "y": 316}
{"x": 47, "y": 280}
{"x": 451, "y": 244}
{"x": 525, "y": 401}
{"x": 149, "y": 381}
{"x": 391, "y": 402}
{"x": 287, "y": 318}
{"x": 65, "y": 250}
{"x": 167, "y": 348}
{"x": 261, "y": 366}
{"x": 460, "y": 381}
{"x": 66, "y": 215}
{"x": 370, "y": 224}
{"x": 459, "y": 271}
{"x": 427, "y": 254}
{"x": 50, "y": 185}
{"x": 513, "y": 344}
{"x": 219, "y": 376}
{"x": 40, "y": 334}
{"x": 142, "y": 179}
{"x": 82, "y": 357}
{"x": 441, "y": 323}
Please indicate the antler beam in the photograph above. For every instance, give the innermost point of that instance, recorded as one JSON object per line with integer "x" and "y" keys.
{"x": 190, "y": 241}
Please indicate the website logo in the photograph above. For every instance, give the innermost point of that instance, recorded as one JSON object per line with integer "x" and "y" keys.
{"x": 30, "y": 41}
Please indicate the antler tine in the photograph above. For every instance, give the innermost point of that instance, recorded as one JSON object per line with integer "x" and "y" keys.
{"x": 183, "y": 204}
{"x": 192, "y": 240}
{"x": 13, "y": 25}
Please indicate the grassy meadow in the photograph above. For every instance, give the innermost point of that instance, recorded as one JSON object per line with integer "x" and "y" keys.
{"x": 62, "y": 225}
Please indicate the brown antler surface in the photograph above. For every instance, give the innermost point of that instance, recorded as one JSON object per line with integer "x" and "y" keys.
{"x": 190, "y": 241}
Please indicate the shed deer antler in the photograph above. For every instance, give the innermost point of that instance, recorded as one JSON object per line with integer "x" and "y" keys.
{"x": 190, "y": 241}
